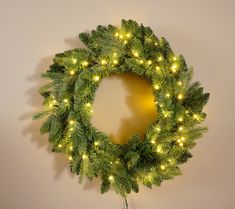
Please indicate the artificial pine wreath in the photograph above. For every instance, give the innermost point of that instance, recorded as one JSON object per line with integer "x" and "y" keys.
{"x": 75, "y": 76}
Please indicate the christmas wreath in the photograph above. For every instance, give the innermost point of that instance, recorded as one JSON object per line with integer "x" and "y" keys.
{"x": 75, "y": 76}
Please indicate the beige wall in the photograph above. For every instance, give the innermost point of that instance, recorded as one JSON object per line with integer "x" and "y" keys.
{"x": 31, "y": 177}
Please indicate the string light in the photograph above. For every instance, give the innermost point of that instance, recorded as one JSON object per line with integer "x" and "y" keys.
{"x": 160, "y": 58}
{"x": 153, "y": 141}
{"x": 158, "y": 129}
{"x": 88, "y": 104}
{"x": 181, "y": 144}
{"x": 103, "y": 62}
{"x": 65, "y": 100}
{"x": 125, "y": 42}
{"x": 84, "y": 63}
{"x": 180, "y": 96}
{"x": 162, "y": 167}
{"x": 96, "y": 143}
{"x": 51, "y": 105}
{"x": 60, "y": 145}
{"x": 156, "y": 86}
{"x": 158, "y": 68}
{"x": 84, "y": 157}
{"x": 180, "y": 119}
{"x": 116, "y": 34}
{"x": 70, "y": 158}
{"x": 159, "y": 149}
{"x": 173, "y": 68}
{"x": 121, "y": 36}
{"x": 196, "y": 117}
{"x": 74, "y": 60}
{"x": 71, "y": 122}
{"x": 128, "y": 35}
{"x": 168, "y": 95}
{"x": 182, "y": 138}
{"x": 141, "y": 61}
{"x": 96, "y": 78}
{"x": 115, "y": 62}
{"x": 181, "y": 128}
{"x": 111, "y": 178}
{"x": 136, "y": 54}
{"x": 114, "y": 54}
{"x": 174, "y": 58}
{"x": 71, "y": 129}
{"x": 71, "y": 72}
{"x": 155, "y": 43}
{"x": 71, "y": 148}
{"x": 149, "y": 62}
{"x": 179, "y": 83}
{"x": 186, "y": 111}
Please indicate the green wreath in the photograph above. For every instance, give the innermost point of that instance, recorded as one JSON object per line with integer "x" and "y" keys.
{"x": 75, "y": 76}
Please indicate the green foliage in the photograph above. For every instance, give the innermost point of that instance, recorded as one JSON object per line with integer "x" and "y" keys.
{"x": 74, "y": 78}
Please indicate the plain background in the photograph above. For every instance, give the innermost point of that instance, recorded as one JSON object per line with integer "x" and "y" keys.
{"x": 31, "y": 177}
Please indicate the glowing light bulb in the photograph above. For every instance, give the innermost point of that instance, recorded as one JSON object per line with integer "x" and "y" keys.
{"x": 186, "y": 111}
{"x": 180, "y": 83}
{"x": 114, "y": 54}
{"x": 115, "y": 62}
{"x": 180, "y": 96}
{"x": 103, "y": 62}
{"x": 85, "y": 63}
{"x": 96, "y": 143}
{"x": 71, "y": 129}
{"x": 125, "y": 42}
{"x": 159, "y": 149}
{"x": 155, "y": 43}
{"x": 196, "y": 117}
{"x": 74, "y": 60}
{"x": 71, "y": 122}
{"x": 71, "y": 148}
{"x": 153, "y": 141}
{"x": 158, "y": 68}
{"x": 181, "y": 144}
{"x": 178, "y": 140}
{"x": 156, "y": 86}
{"x": 70, "y": 158}
{"x": 180, "y": 119}
{"x": 168, "y": 95}
{"x": 158, "y": 129}
{"x": 121, "y": 36}
{"x": 111, "y": 178}
{"x": 174, "y": 58}
{"x": 174, "y": 68}
{"x": 128, "y": 35}
{"x": 149, "y": 62}
{"x": 51, "y": 105}
{"x": 136, "y": 54}
{"x": 71, "y": 72}
{"x": 163, "y": 167}
{"x": 60, "y": 145}
{"x": 181, "y": 128}
{"x": 116, "y": 34}
{"x": 66, "y": 100}
{"x": 141, "y": 61}
{"x": 88, "y": 104}
{"x": 182, "y": 138}
{"x": 160, "y": 58}
{"x": 84, "y": 157}
{"x": 96, "y": 78}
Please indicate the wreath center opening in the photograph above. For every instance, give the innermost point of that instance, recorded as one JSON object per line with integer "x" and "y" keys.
{"x": 123, "y": 106}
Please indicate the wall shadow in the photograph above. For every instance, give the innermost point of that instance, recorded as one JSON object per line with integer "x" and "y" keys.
{"x": 140, "y": 102}
{"x": 34, "y": 99}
